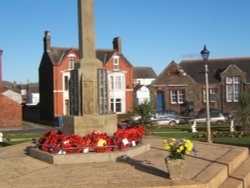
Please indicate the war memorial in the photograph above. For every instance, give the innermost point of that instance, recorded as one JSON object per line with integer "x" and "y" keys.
{"x": 24, "y": 165}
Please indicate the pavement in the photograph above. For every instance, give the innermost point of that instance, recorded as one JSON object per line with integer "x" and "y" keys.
{"x": 27, "y": 127}
{"x": 18, "y": 170}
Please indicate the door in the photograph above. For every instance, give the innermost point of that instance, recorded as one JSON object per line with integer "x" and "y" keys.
{"x": 160, "y": 101}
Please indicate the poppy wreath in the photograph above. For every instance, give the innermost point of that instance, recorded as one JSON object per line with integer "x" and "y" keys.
{"x": 131, "y": 134}
{"x": 51, "y": 141}
{"x": 98, "y": 142}
{"x": 73, "y": 144}
{"x": 57, "y": 142}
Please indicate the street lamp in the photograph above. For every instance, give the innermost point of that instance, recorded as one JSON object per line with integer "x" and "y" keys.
{"x": 205, "y": 54}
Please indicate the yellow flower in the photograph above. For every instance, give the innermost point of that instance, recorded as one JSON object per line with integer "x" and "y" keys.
{"x": 189, "y": 146}
{"x": 179, "y": 150}
{"x": 101, "y": 143}
{"x": 166, "y": 145}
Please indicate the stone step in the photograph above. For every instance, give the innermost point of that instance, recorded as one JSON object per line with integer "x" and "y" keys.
{"x": 219, "y": 172}
{"x": 234, "y": 158}
{"x": 243, "y": 173}
{"x": 239, "y": 178}
{"x": 231, "y": 183}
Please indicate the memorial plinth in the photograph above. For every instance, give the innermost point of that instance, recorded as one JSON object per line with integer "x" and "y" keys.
{"x": 82, "y": 125}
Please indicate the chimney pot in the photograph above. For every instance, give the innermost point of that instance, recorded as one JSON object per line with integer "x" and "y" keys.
{"x": 46, "y": 41}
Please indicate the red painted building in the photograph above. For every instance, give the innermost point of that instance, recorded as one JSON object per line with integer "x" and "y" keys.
{"x": 54, "y": 76}
{"x": 10, "y": 111}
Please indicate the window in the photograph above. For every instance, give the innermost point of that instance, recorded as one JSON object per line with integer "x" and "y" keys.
{"x": 181, "y": 96}
{"x": 71, "y": 61}
{"x": 116, "y": 105}
{"x": 173, "y": 96}
{"x": 116, "y": 82}
{"x": 66, "y": 83}
{"x": 233, "y": 88}
{"x": 111, "y": 82}
{"x": 116, "y": 62}
{"x": 177, "y": 96}
{"x": 212, "y": 94}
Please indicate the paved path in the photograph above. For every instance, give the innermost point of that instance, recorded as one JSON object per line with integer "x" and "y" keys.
{"x": 17, "y": 169}
{"x": 28, "y": 127}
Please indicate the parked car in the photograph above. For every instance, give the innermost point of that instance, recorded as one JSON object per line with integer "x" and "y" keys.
{"x": 165, "y": 117}
{"x": 167, "y": 121}
{"x": 215, "y": 117}
{"x": 172, "y": 114}
{"x": 204, "y": 110}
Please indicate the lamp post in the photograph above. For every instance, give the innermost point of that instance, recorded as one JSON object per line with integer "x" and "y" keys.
{"x": 205, "y": 55}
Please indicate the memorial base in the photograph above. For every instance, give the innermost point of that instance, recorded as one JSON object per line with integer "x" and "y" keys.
{"x": 82, "y": 125}
{"x": 87, "y": 157}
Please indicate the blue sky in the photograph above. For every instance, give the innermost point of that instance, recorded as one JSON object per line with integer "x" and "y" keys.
{"x": 153, "y": 32}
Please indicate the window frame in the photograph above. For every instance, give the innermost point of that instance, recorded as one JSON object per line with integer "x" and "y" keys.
{"x": 71, "y": 61}
{"x": 177, "y": 96}
{"x": 212, "y": 91}
{"x": 116, "y": 62}
{"x": 232, "y": 88}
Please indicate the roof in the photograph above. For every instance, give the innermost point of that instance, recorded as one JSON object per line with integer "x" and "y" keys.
{"x": 32, "y": 87}
{"x": 144, "y": 72}
{"x": 56, "y": 54}
{"x": 104, "y": 54}
{"x": 138, "y": 87}
{"x": 196, "y": 69}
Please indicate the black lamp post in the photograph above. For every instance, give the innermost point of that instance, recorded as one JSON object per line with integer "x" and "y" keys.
{"x": 205, "y": 55}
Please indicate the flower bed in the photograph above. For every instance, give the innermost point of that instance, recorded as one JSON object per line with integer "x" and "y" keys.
{"x": 57, "y": 142}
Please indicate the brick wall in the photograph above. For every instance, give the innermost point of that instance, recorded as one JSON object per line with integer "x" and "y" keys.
{"x": 10, "y": 113}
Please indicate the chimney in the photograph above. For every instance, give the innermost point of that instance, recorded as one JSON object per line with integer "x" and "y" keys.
{"x": 117, "y": 44}
{"x": 1, "y": 84}
{"x": 46, "y": 41}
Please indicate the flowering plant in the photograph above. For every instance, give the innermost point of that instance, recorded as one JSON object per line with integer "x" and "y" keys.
{"x": 178, "y": 148}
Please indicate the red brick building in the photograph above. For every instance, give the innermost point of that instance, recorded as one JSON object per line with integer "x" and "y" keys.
{"x": 182, "y": 86}
{"x": 54, "y": 78}
{"x": 10, "y": 111}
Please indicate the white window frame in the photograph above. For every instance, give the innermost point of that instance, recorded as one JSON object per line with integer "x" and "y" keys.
{"x": 71, "y": 61}
{"x": 114, "y": 102}
{"x": 111, "y": 82}
{"x": 212, "y": 91}
{"x": 116, "y": 82}
{"x": 232, "y": 88}
{"x": 177, "y": 96}
{"x": 116, "y": 62}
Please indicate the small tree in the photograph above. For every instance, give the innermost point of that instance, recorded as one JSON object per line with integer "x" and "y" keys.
{"x": 243, "y": 117}
{"x": 146, "y": 111}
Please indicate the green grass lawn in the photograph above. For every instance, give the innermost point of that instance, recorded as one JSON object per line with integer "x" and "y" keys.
{"x": 18, "y": 139}
{"x": 185, "y": 132}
